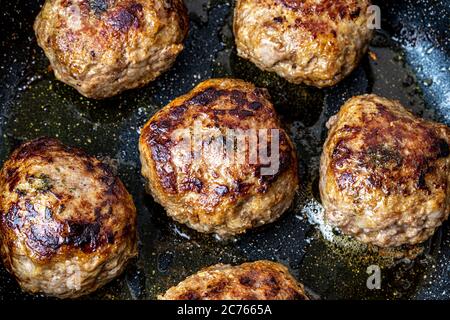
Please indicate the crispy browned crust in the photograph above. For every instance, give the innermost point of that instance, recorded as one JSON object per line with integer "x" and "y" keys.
{"x": 103, "y": 47}
{"x": 305, "y": 41}
{"x": 260, "y": 280}
{"x": 385, "y": 173}
{"x": 210, "y": 194}
{"x": 60, "y": 206}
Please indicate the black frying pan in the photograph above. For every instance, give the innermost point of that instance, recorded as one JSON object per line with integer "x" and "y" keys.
{"x": 413, "y": 65}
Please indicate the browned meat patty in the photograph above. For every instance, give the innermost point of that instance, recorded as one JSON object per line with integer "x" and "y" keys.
{"x": 261, "y": 280}
{"x": 103, "y": 47}
{"x": 67, "y": 224}
{"x": 316, "y": 42}
{"x": 204, "y": 187}
{"x": 385, "y": 173}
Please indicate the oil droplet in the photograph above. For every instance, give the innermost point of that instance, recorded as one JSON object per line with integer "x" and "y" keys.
{"x": 164, "y": 261}
{"x": 315, "y": 213}
{"x": 428, "y": 82}
{"x": 408, "y": 81}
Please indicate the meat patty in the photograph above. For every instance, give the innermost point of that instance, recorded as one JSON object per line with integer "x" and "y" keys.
{"x": 260, "y": 280}
{"x": 103, "y": 47}
{"x": 316, "y": 42}
{"x": 67, "y": 224}
{"x": 218, "y": 160}
{"x": 385, "y": 173}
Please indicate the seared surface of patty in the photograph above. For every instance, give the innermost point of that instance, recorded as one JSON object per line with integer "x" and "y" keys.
{"x": 260, "y": 280}
{"x": 67, "y": 224}
{"x": 211, "y": 187}
{"x": 304, "y": 41}
{"x": 385, "y": 173}
{"x": 103, "y": 47}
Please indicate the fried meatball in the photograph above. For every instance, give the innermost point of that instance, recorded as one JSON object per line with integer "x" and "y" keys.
{"x": 260, "y": 280}
{"x": 385, "y": 173}
{"x": 203, "y": 156}
{"x": 316, "y": 42}
{"x": 103, "y": 47}
{"x": 67, "y": 224}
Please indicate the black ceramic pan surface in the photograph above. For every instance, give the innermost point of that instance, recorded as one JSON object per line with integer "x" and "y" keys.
{"x": 412, "y": 65}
